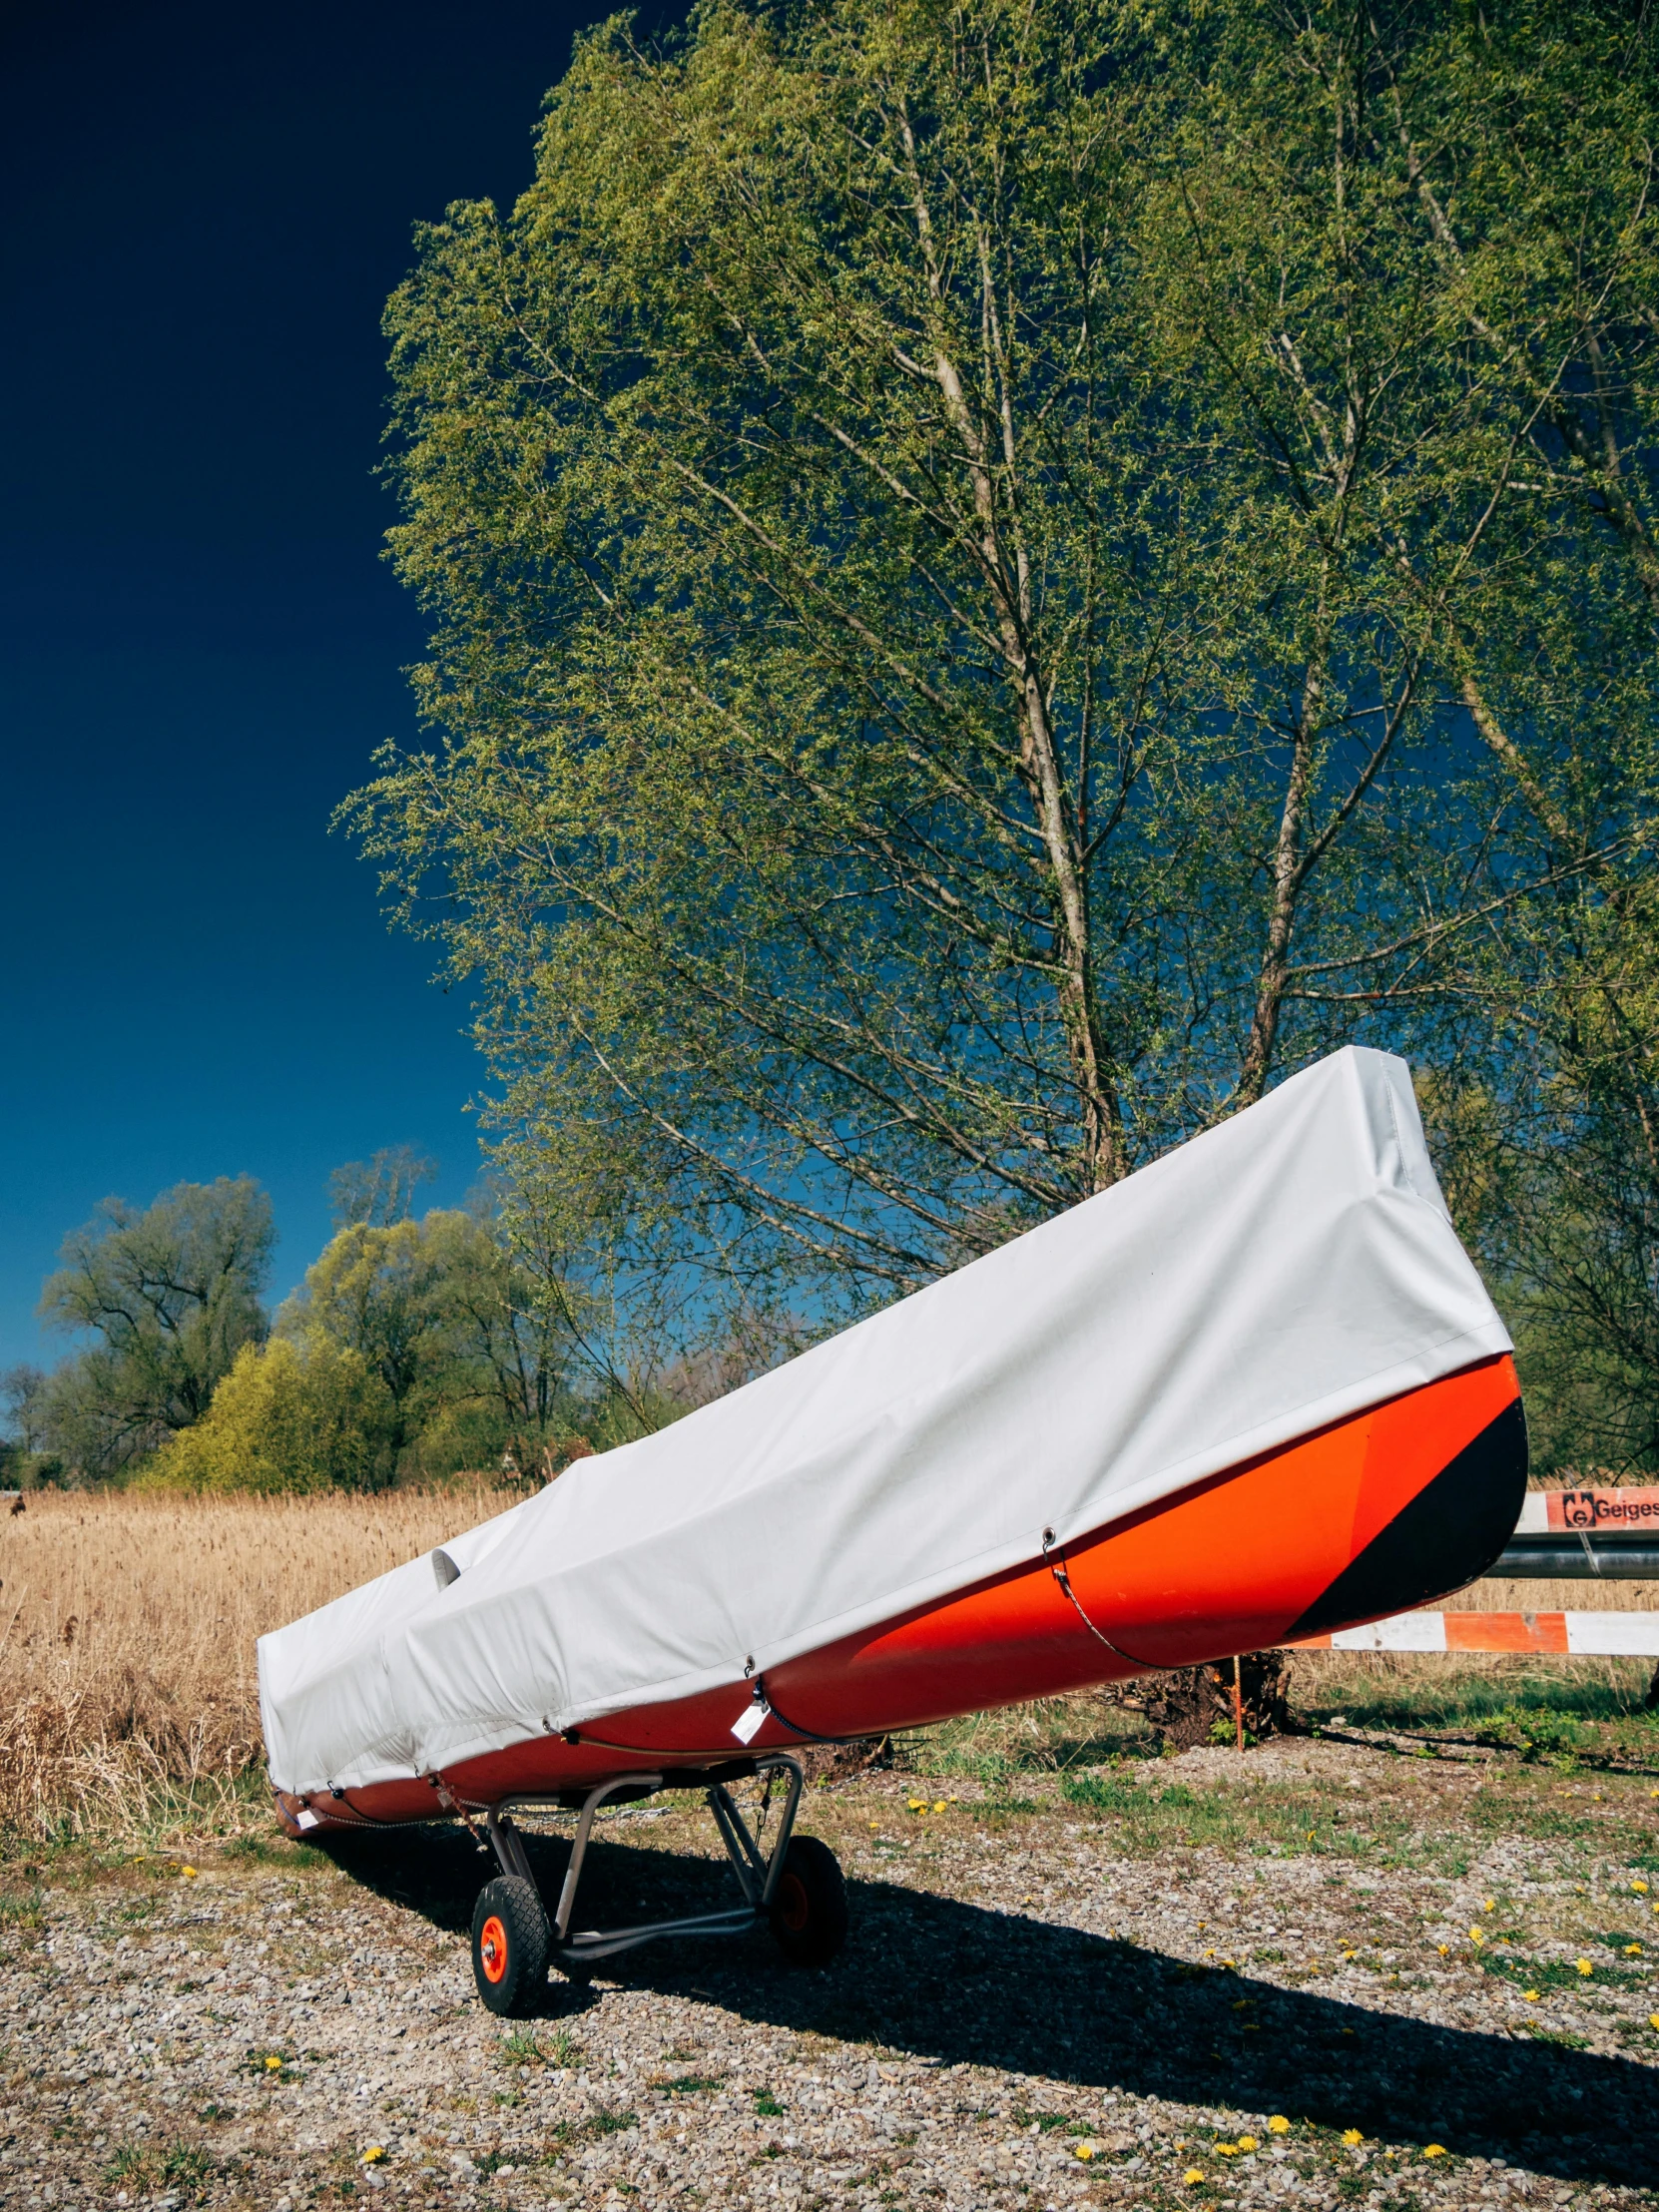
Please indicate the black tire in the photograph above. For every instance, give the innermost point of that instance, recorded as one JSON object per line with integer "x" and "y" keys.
{"x": 808, "y": 1905}
{"x": 509, "y": 1944}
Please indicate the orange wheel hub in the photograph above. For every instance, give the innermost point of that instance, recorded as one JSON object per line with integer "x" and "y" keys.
{"x": 492, "y": 1948}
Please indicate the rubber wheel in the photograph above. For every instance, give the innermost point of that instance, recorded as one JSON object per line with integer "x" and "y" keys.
{"x": 509, "y": 1944}
{"x": 808, "y": 1905}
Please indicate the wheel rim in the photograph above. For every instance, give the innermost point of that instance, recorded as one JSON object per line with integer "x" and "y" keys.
{"x": 792, "y": 1907}
{"x": 492, "y": 1949}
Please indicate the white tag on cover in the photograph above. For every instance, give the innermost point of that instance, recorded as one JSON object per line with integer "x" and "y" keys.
{"x": 306, "y": 1817}
{"x": 748, "y": 1724}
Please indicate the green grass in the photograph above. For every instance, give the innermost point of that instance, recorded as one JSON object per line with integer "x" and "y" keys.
{"x": 151, "y": 2167}
{"x": 526, "y": 2047}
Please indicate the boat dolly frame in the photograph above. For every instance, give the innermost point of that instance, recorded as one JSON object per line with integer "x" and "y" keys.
{"x": 757, "y": 1872}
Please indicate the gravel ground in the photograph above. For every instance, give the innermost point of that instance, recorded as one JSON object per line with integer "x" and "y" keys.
{"x": 1172, "y": 1996}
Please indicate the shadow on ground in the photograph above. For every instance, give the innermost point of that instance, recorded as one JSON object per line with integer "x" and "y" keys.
{"x": 957, "y": 1983}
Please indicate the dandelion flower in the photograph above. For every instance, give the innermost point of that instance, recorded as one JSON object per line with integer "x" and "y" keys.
{"x": 1085, "y": 2152}
{"x": 1191, "y": 2176}
{"x": 940, "y": 1806}
{"x": 1633, "y": 1950}
{"x": 1433, "y": 2151}
{"x": 1353, "y": 2138}
{"x": 273, "y": 2063}
{"x": 1279, "y": 2125}
{"x": 374, "y": 2153}
{"x": 1444, "y": 1949}
{"x": 1584, "y": 1966}
{"x": 1531, "y": 1996}
{"x": 1491, "y": 1906}
{"x": 188, "y": 1873}
{"x": 1653, "y": 2019}
{"x": 1478, "y": 1936}
{"x": 916, "y": 1805}
{"x": 1247, "y": 2142}
{"x": 1639, "y": 1886}
{"x": 1225, "y": 2150}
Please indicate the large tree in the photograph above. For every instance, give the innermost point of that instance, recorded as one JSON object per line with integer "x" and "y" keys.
{"x": 1002, "y": 574}
{"x": 167, "y": 1295}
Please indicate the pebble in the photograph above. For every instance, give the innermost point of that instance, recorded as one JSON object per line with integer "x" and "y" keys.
{"x": 1026, "y": 2016}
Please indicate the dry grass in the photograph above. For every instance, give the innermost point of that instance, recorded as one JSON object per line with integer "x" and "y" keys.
{"x": 127, "y": 1631}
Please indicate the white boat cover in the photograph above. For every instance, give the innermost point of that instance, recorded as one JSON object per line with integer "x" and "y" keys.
{"x": 1287, "y": 1267}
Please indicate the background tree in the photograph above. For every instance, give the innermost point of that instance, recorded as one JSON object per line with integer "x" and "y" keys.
{"x": 1003, "y": 575}
{"x": 170, "y": 1294}
{"x": 378, "y": 1192}
{"x": 286, "y": 1417}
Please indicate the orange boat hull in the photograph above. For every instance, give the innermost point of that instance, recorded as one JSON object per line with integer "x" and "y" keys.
{"x": 1390, "y": 1509}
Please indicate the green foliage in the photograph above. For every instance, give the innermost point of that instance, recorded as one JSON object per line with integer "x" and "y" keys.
{"x": 412, "y": 1350}
{"x": 285, "y": 1418}
{"x": 170, "y": 1294}
{"x": 1001, "y": 579}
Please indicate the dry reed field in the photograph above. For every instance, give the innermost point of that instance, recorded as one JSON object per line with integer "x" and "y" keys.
{"x": 126, "y": 1632}
{"x": 127, "y": 1624}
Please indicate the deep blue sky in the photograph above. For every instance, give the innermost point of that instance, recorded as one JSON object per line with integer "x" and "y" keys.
{"x": 199, "y": 647}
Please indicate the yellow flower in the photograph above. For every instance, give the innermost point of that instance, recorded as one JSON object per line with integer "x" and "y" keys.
{"x": 374, "y": 2153}
{"x": 1227, "y": 1962}
{"x": 1279, "y": 2125}
{"x": 1633, "y": 1950}
{"x": 1531, "y": 1996}
{"x": 1433, "y": 2151}
{"x": 1193, "y": 2175}
{"x": 1477, "y": 1934}
{"x": 916, "y": 1805}
{"x": 188, "y": 1873}
{"x": 1639, "y": 1886}
{"x": 1353, "y": 2138}
{"x": 1653, "y": 2019}
{"x": 1444, "y": 1949}
{"x": 1225, "y": 2150}
{"x": 1584, "y": 1966}
{"x": 1247, "y": 2142}
{"x": 940, "y": 1806}
{"x": 1491, "y": 1906}
{"x": 1084, "y": 2152}
{"x": 273, "y": 2063}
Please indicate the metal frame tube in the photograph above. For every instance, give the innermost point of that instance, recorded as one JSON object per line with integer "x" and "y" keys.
{"x": 756, "y": 1872}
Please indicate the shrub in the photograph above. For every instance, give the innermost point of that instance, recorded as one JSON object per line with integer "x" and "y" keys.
{"x": 286, "y": 1417}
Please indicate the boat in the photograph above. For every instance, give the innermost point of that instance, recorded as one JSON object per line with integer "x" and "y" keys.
{"x": 1252, "y": 1394}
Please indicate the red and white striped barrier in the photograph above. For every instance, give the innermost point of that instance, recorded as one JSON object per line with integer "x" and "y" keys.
{"x": 1609, "y": 1634}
